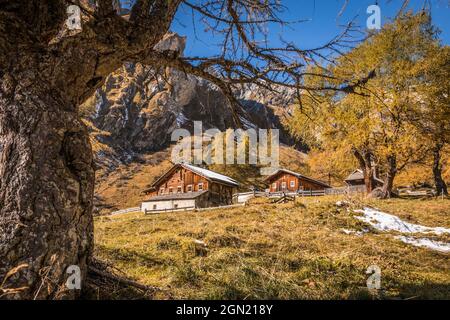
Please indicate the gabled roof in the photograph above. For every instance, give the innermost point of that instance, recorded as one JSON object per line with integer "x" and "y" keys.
{"x": 355, "y": 175}
{"x": 177, "y": 196}
{"x": 359, "y": 175}
{"x": 298, "y": 175}
{"x": 207, "y": 174}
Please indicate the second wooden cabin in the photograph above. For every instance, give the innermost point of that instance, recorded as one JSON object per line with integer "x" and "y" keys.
{"x": 284, "y": 180}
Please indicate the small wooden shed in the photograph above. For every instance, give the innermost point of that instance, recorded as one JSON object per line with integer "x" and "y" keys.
{"x": 356, "y": 179}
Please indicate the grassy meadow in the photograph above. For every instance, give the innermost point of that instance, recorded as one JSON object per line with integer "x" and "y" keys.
{"x": 268, "y": 251}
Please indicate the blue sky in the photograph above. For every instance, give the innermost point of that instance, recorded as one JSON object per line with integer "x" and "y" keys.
{"x": 323, "y": 22}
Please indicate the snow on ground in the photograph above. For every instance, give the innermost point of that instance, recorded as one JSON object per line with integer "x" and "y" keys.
{"x": 427, "y": 243}
{"x": 358, "y": 233}
{"x": 181, "y": 119}
{"x": 247, "y": 124}
{"x": 387, "y": 222}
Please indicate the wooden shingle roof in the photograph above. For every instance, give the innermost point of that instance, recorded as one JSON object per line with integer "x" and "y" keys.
{"x": 205, "y": 173}
{"x": 359, "y": 175}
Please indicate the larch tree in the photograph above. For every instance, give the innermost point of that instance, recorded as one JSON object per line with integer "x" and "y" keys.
{"x": 331, "y": 165}
{"x": 374, "y": 122}
{"x": 432, "y": 109}
{"x": 47, "y": 70}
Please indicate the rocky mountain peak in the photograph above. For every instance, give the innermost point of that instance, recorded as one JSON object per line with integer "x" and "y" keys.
{"x": 172, "y": 42}
{"x": 138, "y": 107}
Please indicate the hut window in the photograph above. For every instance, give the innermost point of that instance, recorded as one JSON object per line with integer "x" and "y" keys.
{"x": 170, "y": 190}
{"x": 161, "y": 190}
{"x": 274, "y": 185}
{"x": 175, "y": 206}
{"x": 189, "y": 188}
{"x": 283, "y": 185}
{"x": 179, "y": 189}
{"x": 200, "y": 187}
{"x": 292, "y": 184}
{"x": 154, "y": 207}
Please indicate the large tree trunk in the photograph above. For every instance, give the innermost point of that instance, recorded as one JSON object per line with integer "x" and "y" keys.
{"x": 365, "y": 163}
{"x": 46, "y": 164}
{"x": 46, "y": 189}
{"x": 441, "y": 186}
{"x": 369, "y": 179}
{"x": 391, "y": 172}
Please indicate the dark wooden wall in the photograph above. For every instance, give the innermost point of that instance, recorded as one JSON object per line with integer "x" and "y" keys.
{"x": 299, "y": 183}
{"x": 284, "y": 177}
{"x": 218, "y": 195}
{"x": 181, "y": 177}
{"x": 221, "y": 194}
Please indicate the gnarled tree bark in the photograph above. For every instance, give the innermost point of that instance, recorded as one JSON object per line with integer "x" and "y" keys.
{"x": 386, "y": 191}
{"x": 364, "y": 158}
{"x": 46, "y": 189}
{"x": 46, "y": 163}
{"x": 441, "y": 186}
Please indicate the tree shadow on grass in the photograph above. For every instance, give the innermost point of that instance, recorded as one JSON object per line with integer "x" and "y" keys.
{"x": 130, "y": 256}
{"x": 397, "y": 290}
{"x": 426, "y": 291}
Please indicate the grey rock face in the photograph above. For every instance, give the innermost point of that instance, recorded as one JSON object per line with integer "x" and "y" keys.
{"x": 139, "y": 107}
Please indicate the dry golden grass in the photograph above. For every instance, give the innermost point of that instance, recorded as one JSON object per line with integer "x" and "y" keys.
{"x": 123, "y": 187}
{"x": 266, "y": 251}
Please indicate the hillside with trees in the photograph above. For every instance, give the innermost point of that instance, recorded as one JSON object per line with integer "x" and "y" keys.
{"x": 398, "y": 116}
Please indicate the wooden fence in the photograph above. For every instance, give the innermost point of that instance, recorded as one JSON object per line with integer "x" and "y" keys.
{"x": 245, "y": 196}
{"x": 345, "y": 190}
{"x": 136, "y": 209}
{"x": 222, "y": 207}
{"x": 146, "y": 211}
{"x": 192, "y": 209}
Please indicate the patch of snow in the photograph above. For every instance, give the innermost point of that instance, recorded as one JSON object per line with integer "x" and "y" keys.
{"x": 181, "y": 119}
{"x": 358, "y": 233}
{"x": 427, "y": 243}
{"x": 126, "y": 114}
{"x": 202, "y": 243}
{"x": 386, "y": 222}
{"x": 153, "y": 88}
{"x": 247, "y": 124}
{"x": 347, "y": 231}
{"x": 342, "y": 204}
{"x": 98, "y": 104}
